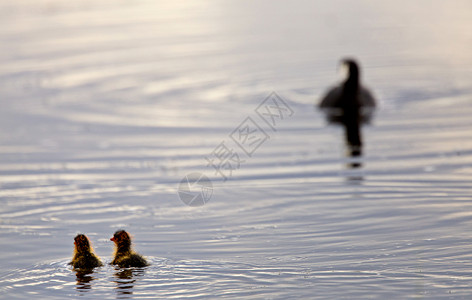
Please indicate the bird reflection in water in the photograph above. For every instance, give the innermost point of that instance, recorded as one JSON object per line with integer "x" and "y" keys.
{"x": 125, "y": 279}
{"x": 350, "y": 105}
{"x": 84, "y": 280}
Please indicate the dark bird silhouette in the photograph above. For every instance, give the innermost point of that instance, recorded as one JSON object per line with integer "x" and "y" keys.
{"x": 124, "y": 256}
{"x": 349, "y": 104}
{"x": 83, "y": 257}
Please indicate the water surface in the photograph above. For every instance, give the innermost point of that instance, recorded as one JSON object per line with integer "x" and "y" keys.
{"x": 106, "y": 106}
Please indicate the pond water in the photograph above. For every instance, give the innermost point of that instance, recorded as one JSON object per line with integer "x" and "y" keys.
{"x": 106, "y": 106}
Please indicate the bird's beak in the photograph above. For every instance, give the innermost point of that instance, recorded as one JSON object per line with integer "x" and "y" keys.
{"x": 112, "y": 239}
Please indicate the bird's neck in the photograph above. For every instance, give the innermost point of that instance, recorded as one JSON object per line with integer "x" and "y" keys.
{"x": 350, "y": 101}
{"x": 81, "y": 251}
{"x": 352, "y": 82}
{"x": 81, "y": 255}
{"x": 123, "y": 249}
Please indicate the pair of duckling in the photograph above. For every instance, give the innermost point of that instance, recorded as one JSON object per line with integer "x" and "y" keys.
{"x": 124, "y": 257}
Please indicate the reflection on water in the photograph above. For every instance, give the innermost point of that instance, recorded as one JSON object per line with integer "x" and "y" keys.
{"x": 84, "y": 280}
{"x": 100, "y": 120}
{"x": 125, "y": 281}
{"x": 351, "y": 120}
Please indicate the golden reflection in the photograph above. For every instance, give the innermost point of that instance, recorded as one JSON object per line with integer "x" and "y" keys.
{"x": 125, "y": 279}
{"x": 84, "y": 280}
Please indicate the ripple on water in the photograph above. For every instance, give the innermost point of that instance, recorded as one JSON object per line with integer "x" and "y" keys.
{"x": 182, "y": 279}
{"x": 101, "y": 119}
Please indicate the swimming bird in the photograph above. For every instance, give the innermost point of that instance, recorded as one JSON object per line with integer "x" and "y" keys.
{"x": 84, "y": 257}
{"x": 350, "y": 93}
{"x": 349, "y": 104}
{"x": 124, "y": 255}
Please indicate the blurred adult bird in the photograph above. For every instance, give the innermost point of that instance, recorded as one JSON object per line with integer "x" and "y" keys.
{"x": 349, "y": 104}
{"x": 350, "y": 93}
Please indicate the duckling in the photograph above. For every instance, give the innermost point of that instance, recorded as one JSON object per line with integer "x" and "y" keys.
{"x": 124, "y": 255}
{"x": 84, "y": 257}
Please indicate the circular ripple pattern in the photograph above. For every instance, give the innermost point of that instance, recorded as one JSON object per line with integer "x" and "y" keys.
{"x": 195, "y": 189}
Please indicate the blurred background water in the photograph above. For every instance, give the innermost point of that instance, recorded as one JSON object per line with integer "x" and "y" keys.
{"x": 106, "y": 106}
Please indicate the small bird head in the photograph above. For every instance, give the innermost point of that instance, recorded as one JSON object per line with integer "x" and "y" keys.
{"x": 121, "y": 239}
{"x": 82, "y": 243}
{"x": 350, "y": 68}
